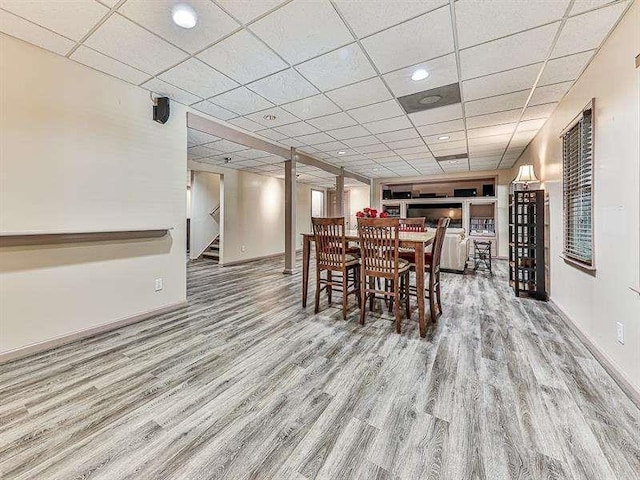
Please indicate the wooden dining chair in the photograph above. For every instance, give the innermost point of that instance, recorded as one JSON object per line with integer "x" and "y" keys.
{"x": 432, "y": 268}
{"x": 379, "y": 259}
{"x": 417, "y": 224}
{"x": 332, "y": 257}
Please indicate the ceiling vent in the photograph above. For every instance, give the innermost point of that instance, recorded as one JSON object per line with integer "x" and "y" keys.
{"x": 428, "y": 99}
{"x": 452, "y": 158}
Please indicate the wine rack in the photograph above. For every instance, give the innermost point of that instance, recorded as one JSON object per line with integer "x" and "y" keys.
{"x": 526, "y": 244}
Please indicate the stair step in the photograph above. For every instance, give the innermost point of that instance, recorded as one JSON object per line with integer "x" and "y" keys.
{"x": 214, "y": 256}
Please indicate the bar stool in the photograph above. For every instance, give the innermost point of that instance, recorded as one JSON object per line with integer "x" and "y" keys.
{"x": 379, "y": 243}
{"x": 482, "y": 255}
{"x": 332, "y": 257}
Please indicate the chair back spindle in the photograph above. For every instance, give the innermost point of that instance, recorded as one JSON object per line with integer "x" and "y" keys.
{"x": 330, "y": 242}
{"x": 413, "y": 224}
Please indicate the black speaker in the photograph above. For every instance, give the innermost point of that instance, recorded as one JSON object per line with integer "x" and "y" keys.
{"x": 488, "y": 190}
{"x": 465, "y": 192}
{"x": 161, "y": 110}
{"x": 386, "y": 194}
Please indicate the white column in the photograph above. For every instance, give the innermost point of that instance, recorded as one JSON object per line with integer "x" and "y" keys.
{"x": 340, "y": 193}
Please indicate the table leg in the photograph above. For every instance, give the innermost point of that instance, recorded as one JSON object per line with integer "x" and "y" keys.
{"x": 420, "y": 288}
{"x": 306, "y": 256}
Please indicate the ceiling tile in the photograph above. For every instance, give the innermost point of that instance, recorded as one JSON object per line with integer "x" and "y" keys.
{"x": 227, "y": 146}
{"x": 539, "y": 111}
{"x": 283, "y": 87}
{"x": 521, "y": 78}
{"x": 246, "y": 124}
{"x": 452, "y": 136}
{"x": 360, "y": 94}
{"x": 340, "y": 67}
{"x": 349, "y": 132}
{"x": 503, "y": 129}
{"x": 410, "y": 142}
{"x": 377, "y": 111}
{"x": 271, "y": 134}
{"x": 29, "y": 32}
{"x": 388, "y": 125}
{"x": 316, "y": 139}
{"x": 580, "y": 6}
{"x": 245, "y": 11}
{"x": 375, "y": 148}
{"x": 202, "y": 151}
{"x": 509, "y": 101}
{"x": 331, "y": 146}
{"x": 155, "y": 15}
{"x": 332, "y": 122}
{"x": 70, "y": 18}
{"x": 296, "y": 129}
{"x": 108, "y": 65}
{"x": 164, "y": 89}
{"x": 515, "y": 51}
{"x": 398, "y": 135}
{"x": 428, "y": 36}
{"x": 480, "y": 21}
{"x": 598, "y": 23}
{"x": 214, "y": 110}
{"x": 531, "y": 125}
{"x": 437, "y": 115}
{"x": 195, "y": 137}
{"x": 442, "y": 71}
{"x": 442, "y": 127}
{"x": 242, "y": 57}
{"x": 242, "y": 101}
{"x": 198, "y": 78}
{"x": 497, "y": 118}
{"x": 311, "y": 107}
{"x": 367, "y": 17}
{"x": 381, "y": 154}
{"x": 282, "y": 117}
{"x": 446, "y": 145}
{"x": 486, "y": 150}
{"x": 362, "y": 141}
{"x": 301, "y": 30}
{"x": 564, "y": 68}
{"x": 549, "y": 93}
{"x": 495, "y": 141}
{"x": 123, "y": 40}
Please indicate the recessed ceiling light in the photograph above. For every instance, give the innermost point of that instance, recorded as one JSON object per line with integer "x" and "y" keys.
{"x": 452, "y": 162}
{"x": 429, "y": 99}
{"x": 341, "y": 152}
{"x": 269, "y": 117}
{"x": 444, "y": 137}
{"x": 419, "y": 74}
{"x": 184, "y": 15}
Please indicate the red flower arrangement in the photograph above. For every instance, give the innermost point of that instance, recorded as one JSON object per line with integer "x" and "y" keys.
{"x": 371, "y": 213}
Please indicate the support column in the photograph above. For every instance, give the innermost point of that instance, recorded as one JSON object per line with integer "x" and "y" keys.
{"x": 290, "y": 213}
{"x": 373, "y": 195}
{"x": 340, "y": 193}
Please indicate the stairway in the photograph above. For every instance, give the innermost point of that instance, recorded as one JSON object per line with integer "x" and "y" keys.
{"x": 213, "y": 250}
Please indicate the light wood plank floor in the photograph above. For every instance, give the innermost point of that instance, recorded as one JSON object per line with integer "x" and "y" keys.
{"x": 244, "y": 384}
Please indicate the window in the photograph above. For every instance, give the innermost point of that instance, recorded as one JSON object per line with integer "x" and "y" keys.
{"x": 317, "y": 203}
{"x": 577, "y": 168}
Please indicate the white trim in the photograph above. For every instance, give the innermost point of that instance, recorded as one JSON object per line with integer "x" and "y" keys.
{"x": 34, "y": 348}
{"x": 607, "y": 362}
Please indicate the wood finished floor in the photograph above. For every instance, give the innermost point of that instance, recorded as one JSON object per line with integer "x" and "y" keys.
{"x": 244, "y": 384}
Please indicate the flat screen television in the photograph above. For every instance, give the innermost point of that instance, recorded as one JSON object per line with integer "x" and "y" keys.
{"x": 434, "y": 211}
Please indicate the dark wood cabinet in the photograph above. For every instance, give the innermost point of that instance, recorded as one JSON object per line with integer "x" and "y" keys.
{"x": 526, "y": 244}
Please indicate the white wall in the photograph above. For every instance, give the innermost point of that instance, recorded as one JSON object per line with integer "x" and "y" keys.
{"x": 596, "y": 303}
{"x": 205, "y": 197}
{"x": 358, "y": 199}
{"x": 253, "y": 213}
{"x": 80, "y": 152}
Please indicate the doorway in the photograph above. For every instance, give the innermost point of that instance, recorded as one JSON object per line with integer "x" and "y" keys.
{"x": 317, "y": 203}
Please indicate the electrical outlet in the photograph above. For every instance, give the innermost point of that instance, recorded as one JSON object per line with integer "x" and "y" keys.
{"x": 620, "y": 333}
{"x": 243, "y": 248}
{"x": 158, "y": 284}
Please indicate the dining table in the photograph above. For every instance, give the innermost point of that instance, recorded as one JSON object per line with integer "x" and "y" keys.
{"x": 417, "y": 241}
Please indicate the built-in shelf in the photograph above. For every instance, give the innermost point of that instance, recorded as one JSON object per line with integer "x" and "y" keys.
{"x": 14, "y": 239}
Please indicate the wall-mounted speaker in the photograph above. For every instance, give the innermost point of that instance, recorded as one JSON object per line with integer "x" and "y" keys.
{"x": 386, "y": 194}
{"x": 161, "y": 110}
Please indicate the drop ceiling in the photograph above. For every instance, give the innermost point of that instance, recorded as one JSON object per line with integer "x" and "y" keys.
{"x": 331, "y": 73}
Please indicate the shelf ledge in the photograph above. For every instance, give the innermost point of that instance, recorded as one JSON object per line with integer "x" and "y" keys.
{"x": 15, "y": 239}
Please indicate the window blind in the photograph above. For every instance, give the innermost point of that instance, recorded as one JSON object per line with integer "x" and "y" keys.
{"x": 577, "y": 162}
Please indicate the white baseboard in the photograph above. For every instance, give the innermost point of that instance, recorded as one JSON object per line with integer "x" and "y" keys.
{"x": 607, "y": 363}
{"x": 89, "y": 332}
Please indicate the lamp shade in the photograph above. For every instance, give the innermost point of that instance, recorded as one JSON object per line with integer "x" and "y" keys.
{"x": 526, "y": 175}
